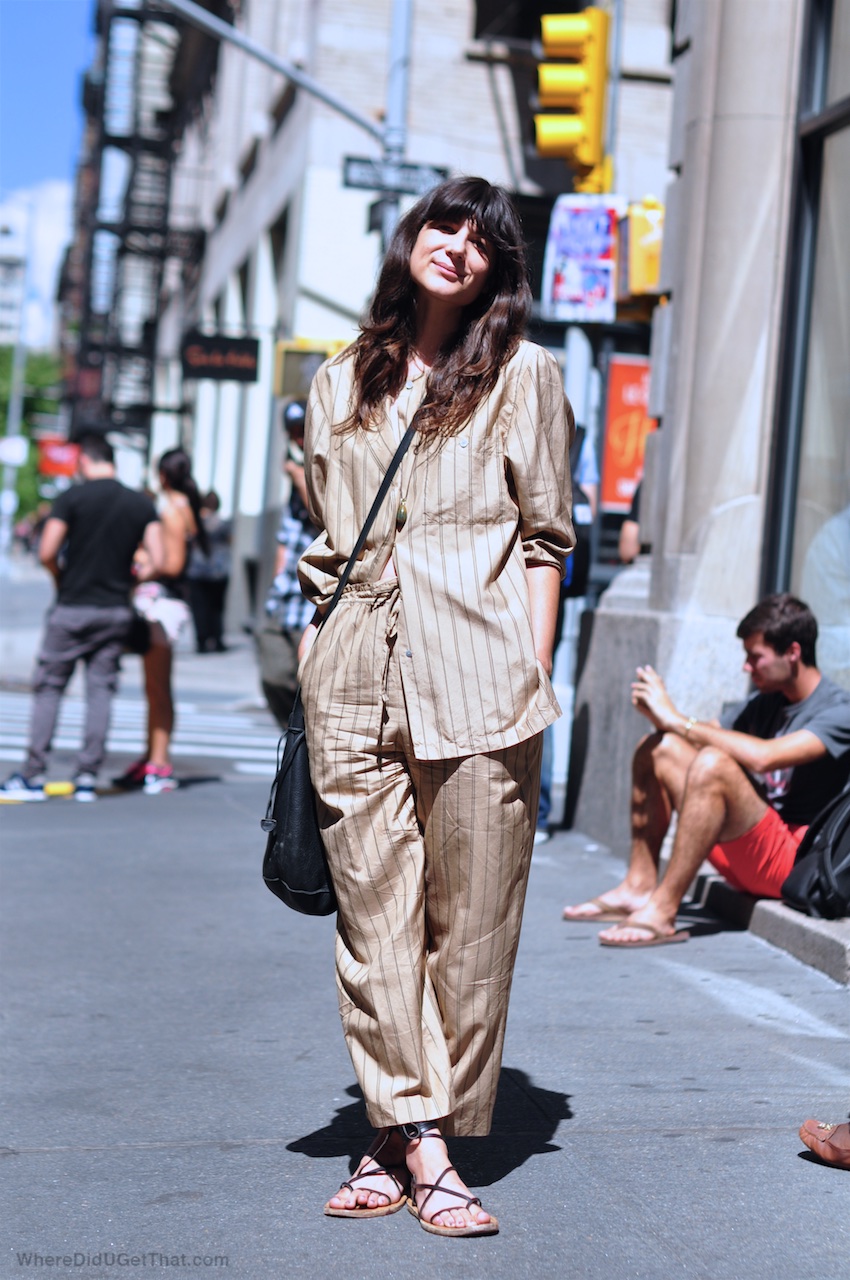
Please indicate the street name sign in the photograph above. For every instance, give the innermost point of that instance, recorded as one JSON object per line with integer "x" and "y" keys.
{"x": 399, "y": 178}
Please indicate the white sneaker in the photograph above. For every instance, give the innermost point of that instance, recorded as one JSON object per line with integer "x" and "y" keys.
{"x": 17, "y": 787}
{"x": 541, "y": 835}
{"x": 84, "y": 787}
{"x": 158, "y": 779}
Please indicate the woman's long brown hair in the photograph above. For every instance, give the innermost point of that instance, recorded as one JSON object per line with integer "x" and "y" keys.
{"x": 490, "y": 330}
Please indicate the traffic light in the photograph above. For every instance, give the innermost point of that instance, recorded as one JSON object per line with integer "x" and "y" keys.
{"x": 578, "y": 84}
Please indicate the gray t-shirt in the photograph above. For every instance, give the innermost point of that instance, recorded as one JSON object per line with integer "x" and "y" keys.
{"x": 798, "y": 793}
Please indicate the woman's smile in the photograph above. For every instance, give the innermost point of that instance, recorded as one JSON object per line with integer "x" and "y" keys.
{"x": 450, "y": 261}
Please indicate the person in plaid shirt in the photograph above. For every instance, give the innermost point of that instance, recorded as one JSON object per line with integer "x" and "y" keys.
{"x": 286, "y": 610}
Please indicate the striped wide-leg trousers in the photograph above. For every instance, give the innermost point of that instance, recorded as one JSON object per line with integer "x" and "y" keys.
{"x": 430, "y": 861}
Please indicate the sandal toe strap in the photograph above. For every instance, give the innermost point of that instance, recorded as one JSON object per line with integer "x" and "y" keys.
{"x": 377, "y": 1172}
{"x": 431, "y": 1187}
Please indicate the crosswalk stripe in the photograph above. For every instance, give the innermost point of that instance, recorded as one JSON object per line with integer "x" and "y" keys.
{"x": 250, "y": 746}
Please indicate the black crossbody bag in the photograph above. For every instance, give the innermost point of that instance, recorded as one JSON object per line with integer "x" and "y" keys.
{"x": 295, "y": 866}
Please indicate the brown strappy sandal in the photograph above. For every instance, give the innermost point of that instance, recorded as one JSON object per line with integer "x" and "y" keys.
{"x": 377, "y": 1171}
{"x": 491, "y": 1228}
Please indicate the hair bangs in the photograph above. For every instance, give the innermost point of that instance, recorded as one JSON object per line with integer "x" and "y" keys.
{"x": 475, "y": 201}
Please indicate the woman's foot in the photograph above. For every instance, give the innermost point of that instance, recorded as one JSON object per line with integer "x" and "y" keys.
{"x": 380, "y": 1185}
{"x": 439, "y": 1198}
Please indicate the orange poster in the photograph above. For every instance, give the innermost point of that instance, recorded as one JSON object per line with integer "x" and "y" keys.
{"x": 56, "y": 457}
{"x": 626, "y": 429}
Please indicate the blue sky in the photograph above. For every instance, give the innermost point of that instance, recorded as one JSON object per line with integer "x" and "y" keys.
{"x": 44, "y": 46}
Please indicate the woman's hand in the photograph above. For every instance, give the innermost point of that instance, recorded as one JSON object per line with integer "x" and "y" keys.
{"x": 307, "y": 641}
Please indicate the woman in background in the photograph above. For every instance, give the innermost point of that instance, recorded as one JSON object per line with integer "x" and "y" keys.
{"x": 163, "y": 604}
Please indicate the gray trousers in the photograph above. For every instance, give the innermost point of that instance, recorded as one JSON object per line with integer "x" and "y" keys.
{"x": 74, "y": 633}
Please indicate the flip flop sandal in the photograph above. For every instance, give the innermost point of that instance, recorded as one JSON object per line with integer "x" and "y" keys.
{"x": 471, "y": 1229}
{"x": 381, "y": 1210}
{"x": 656, "y": 939}
{"x": 608, "y": 913}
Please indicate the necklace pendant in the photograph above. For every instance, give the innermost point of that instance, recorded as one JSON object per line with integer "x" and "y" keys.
{"x": 401, "y": 515}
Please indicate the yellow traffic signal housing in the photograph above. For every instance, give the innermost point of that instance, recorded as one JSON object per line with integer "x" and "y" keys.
{"x": 578, "y": 85}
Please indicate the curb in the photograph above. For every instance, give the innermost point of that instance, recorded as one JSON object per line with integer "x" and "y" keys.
{"x": 822, "y": 944}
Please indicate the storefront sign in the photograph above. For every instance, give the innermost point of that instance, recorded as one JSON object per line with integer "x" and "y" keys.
{"x": 580, "y": 264}
{"x": 221, "y": 358}
{"x": 626, "y": 428}
{"x": 57, "y": 457}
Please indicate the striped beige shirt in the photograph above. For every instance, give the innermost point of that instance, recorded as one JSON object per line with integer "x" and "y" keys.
{"x": 481, "y": 505}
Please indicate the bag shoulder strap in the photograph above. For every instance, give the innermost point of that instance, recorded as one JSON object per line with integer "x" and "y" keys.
{"x": 370, "y": 520}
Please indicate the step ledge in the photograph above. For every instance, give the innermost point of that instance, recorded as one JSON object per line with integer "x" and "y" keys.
{"x": 822, "y": 944}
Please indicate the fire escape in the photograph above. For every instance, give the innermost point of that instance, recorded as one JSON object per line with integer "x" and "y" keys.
{"x": 151, "y": 75}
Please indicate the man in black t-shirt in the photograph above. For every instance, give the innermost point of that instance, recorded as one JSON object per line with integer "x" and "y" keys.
{"x": 745, "y": 791}
{"x": 88, "y": 544}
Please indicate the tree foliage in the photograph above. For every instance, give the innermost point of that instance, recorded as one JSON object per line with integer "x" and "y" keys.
{"x": 41, "y": 395}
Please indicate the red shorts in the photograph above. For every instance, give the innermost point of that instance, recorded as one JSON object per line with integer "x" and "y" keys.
{"x": 758, "y": 861}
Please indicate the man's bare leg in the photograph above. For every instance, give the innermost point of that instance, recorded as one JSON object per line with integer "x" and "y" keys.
{"x": 659, "y": 770}
{"x": 719, "y": 804}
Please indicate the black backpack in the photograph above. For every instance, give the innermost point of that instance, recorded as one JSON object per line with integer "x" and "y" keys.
{"x": 819, "y": 882}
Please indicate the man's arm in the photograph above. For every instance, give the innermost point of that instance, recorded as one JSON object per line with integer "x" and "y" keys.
{"x": 758, "y": 755}
{"x": 53, "y": 536}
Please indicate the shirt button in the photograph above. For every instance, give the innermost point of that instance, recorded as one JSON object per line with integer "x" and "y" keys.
{"x": 408, "y": 653}
{"x": 464, "y": 443}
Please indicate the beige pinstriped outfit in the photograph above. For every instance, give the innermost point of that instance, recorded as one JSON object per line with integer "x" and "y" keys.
{"x": 424, "y": 704}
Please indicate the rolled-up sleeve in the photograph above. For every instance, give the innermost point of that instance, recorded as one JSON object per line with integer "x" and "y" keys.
{"x": 537, "y": 450}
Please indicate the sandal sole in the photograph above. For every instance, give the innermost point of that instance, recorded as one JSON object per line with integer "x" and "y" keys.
{"x": 490, "y": 1228}
{"x": 382, "y": 1211}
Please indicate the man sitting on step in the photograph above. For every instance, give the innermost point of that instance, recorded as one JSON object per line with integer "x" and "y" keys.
{"x": 744, "y": 791}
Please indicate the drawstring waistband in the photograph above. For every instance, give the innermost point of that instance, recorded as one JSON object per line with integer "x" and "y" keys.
{"x": 376, "y": 590}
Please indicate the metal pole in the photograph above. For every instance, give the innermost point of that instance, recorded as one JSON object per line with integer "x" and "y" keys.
{"x": 395, "y": 130}
{"x": 614, "y": 82}
{"x": 214, "y": 26}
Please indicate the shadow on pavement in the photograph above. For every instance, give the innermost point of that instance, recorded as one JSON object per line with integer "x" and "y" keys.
{"x": 525, "y": 1121}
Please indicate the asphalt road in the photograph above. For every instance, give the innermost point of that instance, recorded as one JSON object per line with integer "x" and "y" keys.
{"x": 177, "y": 1087}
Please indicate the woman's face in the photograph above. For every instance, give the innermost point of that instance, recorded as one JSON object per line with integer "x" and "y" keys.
{"x": 450, "y": 261}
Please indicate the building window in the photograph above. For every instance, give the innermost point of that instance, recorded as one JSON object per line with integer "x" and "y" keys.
{"x": 820, "y": 562}
{"x": 838, "y": 85}
{"x": 807, "y": 542}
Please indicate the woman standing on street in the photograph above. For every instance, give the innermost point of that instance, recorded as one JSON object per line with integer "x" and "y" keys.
{"x": 163, "y": 603}
{"x": 427, "y": 693}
